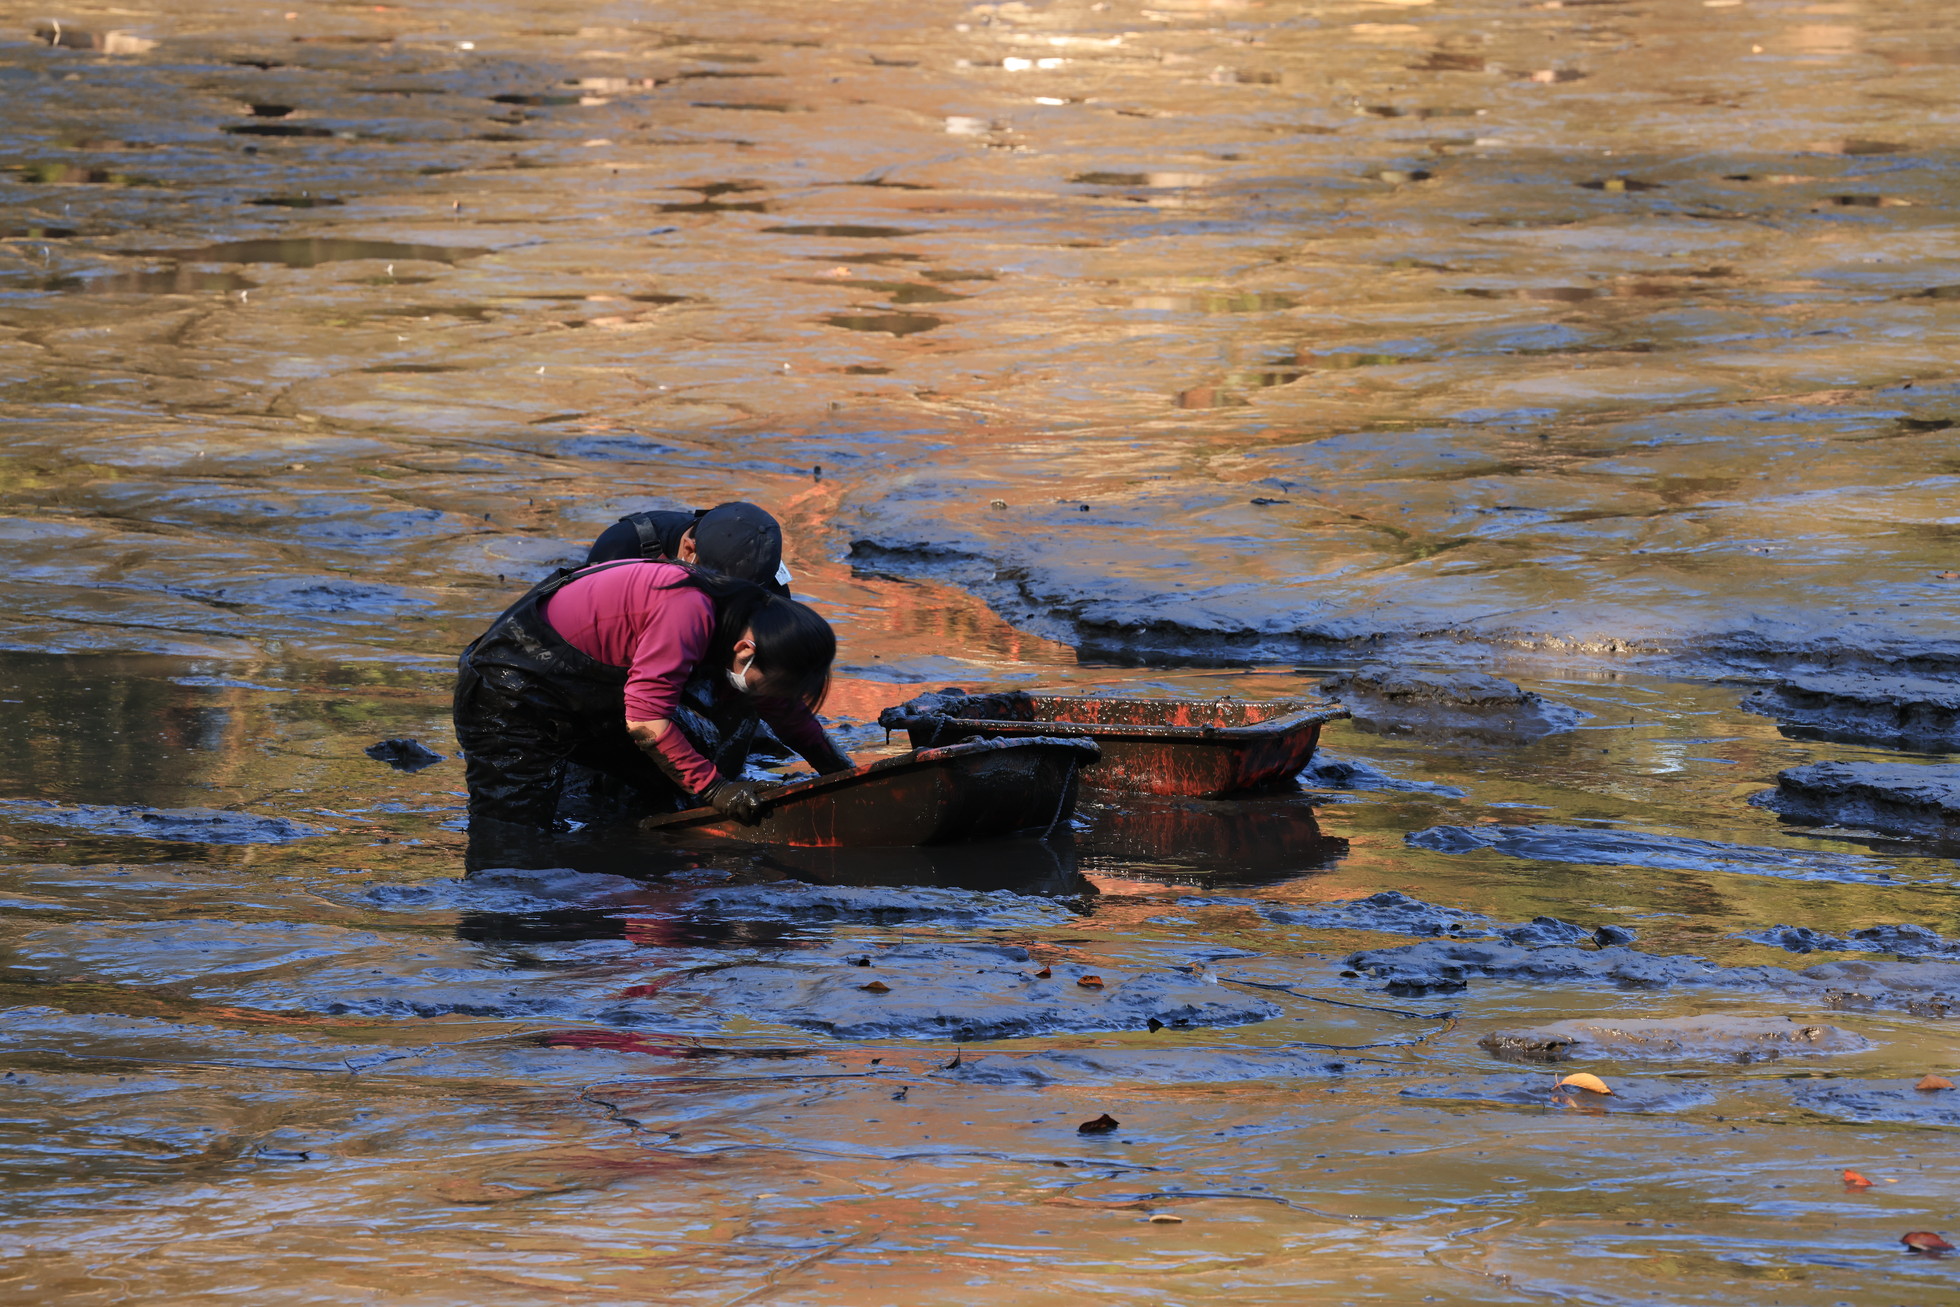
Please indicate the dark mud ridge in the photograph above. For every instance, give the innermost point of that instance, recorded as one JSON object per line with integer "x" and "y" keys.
{"x": 190, "y": 825}
{"x": 1907, "y": 712}
{"x": 1392, "y": 912}
{"x": 796, "y": 902}
{"x": 1447, "y": 966}
{"x": 1414, "y": 701}
{"x": 403, "y": 755}
{"x": 1057, "y": 582}
{"x": 1719, "y": 1038}
{"x": 1903, "y": 940}
{"x": 1586, "y": 846}
{"x": 1901, "y": 798}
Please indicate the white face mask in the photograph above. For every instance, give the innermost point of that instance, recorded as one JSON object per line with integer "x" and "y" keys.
{"x": 740, "y": 680}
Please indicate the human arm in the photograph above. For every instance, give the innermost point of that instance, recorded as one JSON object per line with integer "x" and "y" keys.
{"x": 798, "y": 727}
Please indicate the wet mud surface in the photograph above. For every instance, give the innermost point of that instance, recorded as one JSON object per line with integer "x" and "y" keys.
{"x": 1572, "y": 385}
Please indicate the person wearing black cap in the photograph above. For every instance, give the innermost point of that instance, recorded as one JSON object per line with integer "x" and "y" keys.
{"x": 734, "y": 539}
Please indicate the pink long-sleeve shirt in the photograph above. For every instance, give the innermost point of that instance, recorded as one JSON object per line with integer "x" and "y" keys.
{"x": 647, "y": 618}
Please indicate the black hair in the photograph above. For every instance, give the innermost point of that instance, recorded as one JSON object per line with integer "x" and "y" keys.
{"x": 794, "y": 645}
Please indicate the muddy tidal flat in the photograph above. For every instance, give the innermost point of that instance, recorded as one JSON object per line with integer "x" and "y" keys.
{"x": 1568, "y": 386}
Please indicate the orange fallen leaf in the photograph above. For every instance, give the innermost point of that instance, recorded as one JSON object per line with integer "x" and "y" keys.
{"x": 1105, "y": 1123}
{"x": 1044, "y": 973}
{"x": 1856, "y": 1181}
{"x": 1090, "y": 982}
{"x": 1947, "y": 576}
{"x": 1585, "y": 1080}
{"x": 1925, "y": 1241}
{"x": 876, "y": 987}
{"x": 1933, "y": 1082}
{"x": 1165, "y": 1218}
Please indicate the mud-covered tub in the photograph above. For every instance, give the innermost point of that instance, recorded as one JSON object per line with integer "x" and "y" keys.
{"x": 976, "y": 790}
{"x": 1197, "y": 748}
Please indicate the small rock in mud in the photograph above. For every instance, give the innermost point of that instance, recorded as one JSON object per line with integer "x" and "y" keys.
{"x": 1706, "y": 1038}
{"x": 1536, "y": 1091}
{"x": 1904, "y": 939}
{"x": 1906, "y": 712}
{"x": 1390, "y": 912}
{"x": 1402, "y": 699}
{"x": 966, "y": 992}
{"x": 1622, "y": 848}
{"x": 1327, "y": 772}
{"x": 1900, "y": 798}
{"x": 1894, "y": 1101}
{"x": 403, "y": 755}
{"x": 190, "y": 825}
{"x": 796, "y": 902}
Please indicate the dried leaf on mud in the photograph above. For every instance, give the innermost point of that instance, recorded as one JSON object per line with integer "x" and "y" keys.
{"x": 1855, "y": 1181}
{"x": 1090, "y": 982}
{"x": 1584, "y": 1080}
{"x": 1165, "y": 1218}
{"x": 1102, "y": 1125}
{"x": 1044, "y": 973}
{"x": 876, "y": 987}
{"x": 1925, "y": 1241}
{"x": 1933, "y": 1082}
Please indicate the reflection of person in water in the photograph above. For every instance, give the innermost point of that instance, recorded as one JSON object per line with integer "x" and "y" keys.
{"x": 735, "y": 539}
{"x": 652, "y": 674}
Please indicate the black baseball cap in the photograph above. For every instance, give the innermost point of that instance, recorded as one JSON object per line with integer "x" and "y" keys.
{"x": 739, "y": 540}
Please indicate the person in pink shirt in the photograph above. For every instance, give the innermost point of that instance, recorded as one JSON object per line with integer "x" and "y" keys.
{"x": 644, "y": 671}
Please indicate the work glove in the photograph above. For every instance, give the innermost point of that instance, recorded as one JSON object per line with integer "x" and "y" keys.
{"x": 737, "y": 799}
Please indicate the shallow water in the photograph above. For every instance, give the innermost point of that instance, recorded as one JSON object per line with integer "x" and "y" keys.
{"x": 1601, "y": 344}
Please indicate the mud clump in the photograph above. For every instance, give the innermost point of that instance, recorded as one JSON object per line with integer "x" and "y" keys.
{"x": 1711, "y": 1038}
{"x": 964, "y": 992}
{"x": 189, "y": 825}
{"x": 1621, "y": 848}
{"x": 1926, "y": 989}
{"x": 1327, "y": 772}
{"x": 1904, "y": 712}
{"x": 1414, "y": 701}
{"x": 403, "y": 755}
{"x": 1899, "y": 798}
{"x": 1391, "y": 912}
{"x": 1903, "y": 939}
{"x": 1441, "y": 967}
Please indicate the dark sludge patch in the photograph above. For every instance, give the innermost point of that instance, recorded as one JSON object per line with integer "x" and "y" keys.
{"x": 296, "y": 202}
{"x": 965, "y": 992}
{"x": 1447, "y": 966}
{"x": 312, "y": 251}
{"x": 889, "y": 324}
{"x": 1395, "y": 913}
{"x": 291, "y": 130}
{"x": 1902, "y": 940}
{"x": 1174, "y": 1066}
{"x": 186, "y": 825}
{"x": 618, "y": 449}
{"x": 267, "y": 110}
{"x": 57, "y": 173}
{"x": 795, "y": 902}
{"x": 1622, "y": 848}
{"x": 1899, "y": 798}
{"x": 1901, "y": 711}
{"x": 1419, "y": 701}
{"x": 847, "y": 231}
{"x": 404, "y": 755}
{"x": 1738, "y": 1039}
{"x": 33, "y": 232}
{"x": 1896, "y": 1102}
